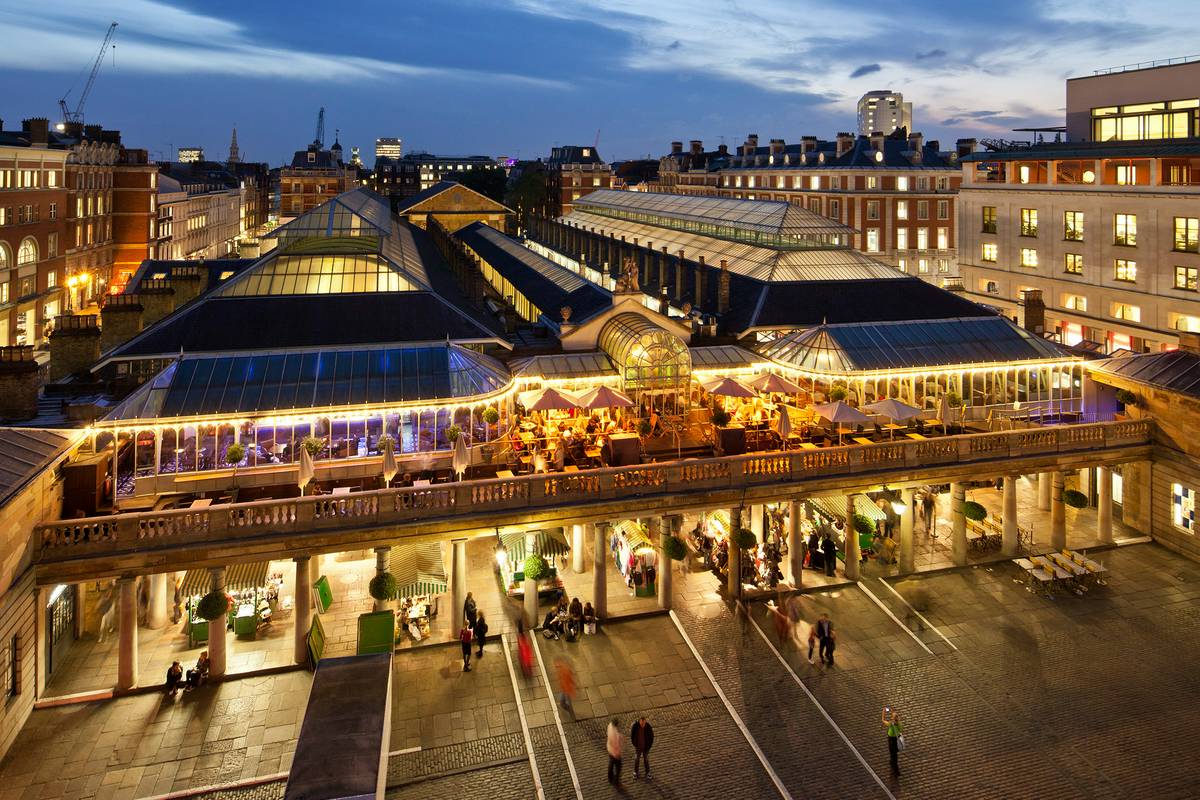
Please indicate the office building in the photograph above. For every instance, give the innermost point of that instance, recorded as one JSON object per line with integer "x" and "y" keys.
{"x": 190, "y": 155}
{"x": 389, "y": 147}
{"x": 883, "y": 112}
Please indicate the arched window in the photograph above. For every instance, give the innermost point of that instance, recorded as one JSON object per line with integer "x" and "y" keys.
{"x": 5, "y": 260}
{"x": 28, "y": 254}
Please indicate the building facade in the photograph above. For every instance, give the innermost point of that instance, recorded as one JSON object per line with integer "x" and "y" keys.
{"x": 883, "y": 111}
{"x": 314, "y": 176}
{"x": 574, "y": 172}
{"x": 403, "y": 177}
{"x": 199, "y": 217}
{"x": 389, "y": 147}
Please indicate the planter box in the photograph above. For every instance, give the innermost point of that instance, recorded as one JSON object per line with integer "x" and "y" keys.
{"x": 731, "y": 440}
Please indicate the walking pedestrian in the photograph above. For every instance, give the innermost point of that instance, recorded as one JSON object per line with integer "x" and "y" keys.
{"x": 825, "y": 636}
{"x": 566, "y": 684}
{"x": 614, "y": 751}
{"x": 642, "y": 737}
{"x": 469, "y": 609}
{"x": 783, "y": 625}
{"x": 895, "y": 734}
{"x": 481, "y": 630}
{"x": 466, "y": 636}
{"x": 812, "y": 642}
{"x": 829, "y": 555}
{"x": 928, "y": 505}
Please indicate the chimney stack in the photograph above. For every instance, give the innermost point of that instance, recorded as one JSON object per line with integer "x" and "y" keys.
{"x": 1033, "y": 311}
{"x": 699, "y": 300}
{"x": 845, "y": 141}
{"x": 120, "y": 320}
{"x": 751, "y": 144}
{"x": 93, "y": 132}
{"x": 38, "y": 129}
{"x": 723, "y": 149}
{"x": 916, "y": 143}
{"x": 877, "y": 138}
{"x": 188, "y": 283}
{"x": 964, "y": 147}
{"x": 19, "y": 380}
{"x": 808, "y": 144}
{"x": 697, "y": 147}
{"x": 723, "y": 288}
{"x": 158, "y": 300}
{"x": 676, "y": 148}
{"x": 777, "y": 146}
{"x": 74, "y": 345}
{"x": 1189, "y": 342}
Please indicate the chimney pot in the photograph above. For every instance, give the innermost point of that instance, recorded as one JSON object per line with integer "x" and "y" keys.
{"x": 676, "y": 147}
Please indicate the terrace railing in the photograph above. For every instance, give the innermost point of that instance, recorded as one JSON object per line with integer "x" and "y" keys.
{"x": 75, "y": 538}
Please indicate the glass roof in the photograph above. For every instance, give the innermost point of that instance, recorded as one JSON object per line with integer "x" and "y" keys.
{"x": 358, "y": 212}
{"x": 645, "y": 354}
{"x": 759, "y": 261}
{"x": 563, "y": 365}
{"x": 561, "y": 276}
{"x": 323, "y": 274}
{"x": 907, "y": 345}
{"x": 723, "y": 355}
{"x": 267, "y": 383}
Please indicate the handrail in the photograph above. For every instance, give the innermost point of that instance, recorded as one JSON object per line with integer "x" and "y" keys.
{"x": 94, "y": 535}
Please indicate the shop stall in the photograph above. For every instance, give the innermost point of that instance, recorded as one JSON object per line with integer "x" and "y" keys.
{"x": 635, "y": 557}
{"x": 512, "y": 549}
{"x": 420, "y": 573}
{"x": 254, "y": 596}
{"x": 825, "y": 511}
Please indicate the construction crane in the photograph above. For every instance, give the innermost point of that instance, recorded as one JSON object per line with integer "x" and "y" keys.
{"x": 320, "y": 140}
{"x": 77, "y": 114}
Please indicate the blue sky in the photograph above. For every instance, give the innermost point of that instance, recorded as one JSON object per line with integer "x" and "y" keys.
{"x": 516, "y": 77}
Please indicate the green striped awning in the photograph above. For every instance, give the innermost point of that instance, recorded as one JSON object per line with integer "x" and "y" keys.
{"x": 547, "y": 544}
{"x": 418, "y": 569}
{"x": 237, "y": 578}
{"x": 835, "y": 506}
{"x": 635, "y": 534}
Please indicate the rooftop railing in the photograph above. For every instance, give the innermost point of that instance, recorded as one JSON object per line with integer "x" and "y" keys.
{"x": 132, "y": 532}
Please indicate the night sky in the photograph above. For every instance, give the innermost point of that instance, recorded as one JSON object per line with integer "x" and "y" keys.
{"x": 515, "y": 78}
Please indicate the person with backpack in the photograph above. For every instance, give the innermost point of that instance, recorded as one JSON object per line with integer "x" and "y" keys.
{"x": 895, "y": 734}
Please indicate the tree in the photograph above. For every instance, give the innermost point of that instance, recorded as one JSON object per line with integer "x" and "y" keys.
{"x": 528, "y": 194}
{"x": 488, "y": 181}
{"x": 233, "y": 456}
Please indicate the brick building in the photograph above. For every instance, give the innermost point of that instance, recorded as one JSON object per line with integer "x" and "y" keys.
{"x": 573, "y": 172}
{"x": 314, "y": 176}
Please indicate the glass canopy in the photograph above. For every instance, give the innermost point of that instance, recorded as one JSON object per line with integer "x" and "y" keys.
{"x": 358, "y": 212}
{"x": 320, "y": 274}
{"x": 647, "y": 356}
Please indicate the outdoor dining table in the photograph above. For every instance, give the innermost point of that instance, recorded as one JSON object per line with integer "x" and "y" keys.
{"x": 340, "y": 490}
{"x": 504, "y": 473}
{"x": 203, "y": 502}
{"x": 808, "y": 446}
{"x": 527, "y": 437}
{"x": 915, "y": 436}
{"x": 863, "y": 440}
{"x": 1070, "y": 566}
{"x": 891, "y": 426}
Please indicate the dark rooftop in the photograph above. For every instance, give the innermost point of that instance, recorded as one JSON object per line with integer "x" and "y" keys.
{"x": 24, "y": 452}
{"x": 1174, "y": 370}
{"x": 215, "y": 267}
{"x": 1159, "y": 148}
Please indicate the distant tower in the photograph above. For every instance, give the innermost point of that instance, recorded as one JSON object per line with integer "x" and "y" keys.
{"x": 235, "y": 156}
{"x": 336, "y": 150}
{"x": 355, "y": 157}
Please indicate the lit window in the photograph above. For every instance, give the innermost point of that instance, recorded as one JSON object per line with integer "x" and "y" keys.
{"x": 51, "y": 278}
{"x": 902, "y": 264}
{"x": 1073, "y": 226}
{"x": 1187, "y": 234}
{"x": 901, "y": 238}
{"x": 1029, "y": 222}
{"x": 814, "y": 182}
{"x": 1126, "y": 270}
{"x": 943, "y": 238}
{"x": 988, "y": 252}
{"x": 28, "y": 252}
{"x": 1029, "y": 257}
{"x": 1183, "y": 507}
{"x": 1126, "y": 174}
{"x": 872, "y": 240}
{"x": 1075, "y": 302}
{"x": 1073, "y": 263}
{"x": 1023, "y": 173}
{"x": 989, "y": 219}
{"x": 923, "y": 266}
{"x": 1185, "y": 278}
{"x": 901, "y": 209}
{"x": 991, "y": 287}
{"x": 872, "y": 182}
{"x": 1125, "y": 229}
{"x": 1127, "y": 312}
{"x": 943, "y": 265}
{"x": 901, "y": 184}
{"x": 1184, "y": 322}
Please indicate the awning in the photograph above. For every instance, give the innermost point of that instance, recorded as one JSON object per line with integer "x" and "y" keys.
{"x": 547, "y": 544}
{"x": 835, "y": 507}
{"x": 635, "y": 534}
{"x": 237, "y": 578}
{"x": 418, "y": 569}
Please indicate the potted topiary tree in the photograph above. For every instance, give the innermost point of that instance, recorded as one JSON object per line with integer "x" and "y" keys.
{"x": 1074, "y": 498}
{"x": 490, "y": 417}
{"x": 974, "y": 511}
{"x": 535, "y": 568}
{"x": 313, "y": 444}
{"x": 837, "y": 394}
{"x": 674, "y": 548}
{"x": 233, "y": 456}
{"x": 382, "y": 589}
{"x": 744, "y": 539}
{"x": 452, "y": 433}
{"x": 213, "y": 607}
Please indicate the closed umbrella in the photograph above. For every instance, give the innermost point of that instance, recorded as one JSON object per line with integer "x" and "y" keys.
{"x": 548, "y": 400}
{"x": 839, "y": 413}
{"x": 775, "y": 384}
{"x": 728, "y": 387}
{"x": 306, "y": 469}
{"x": 783, "y": 426}
{"x": 389, "y": 461}
{"x": 944, "y": 412}
{"x": 461, "y": 459}
{"x": 603, "y": 397}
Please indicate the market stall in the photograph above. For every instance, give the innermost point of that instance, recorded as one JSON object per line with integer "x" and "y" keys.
{"x": 420, "y": 574}
{"x": 253, "y": 592}
{"x": 513, "y": 549}
{"x": 832, "y": 508}
{"x": 635, "y": 556}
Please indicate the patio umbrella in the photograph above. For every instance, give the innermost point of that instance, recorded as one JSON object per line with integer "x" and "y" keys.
{"x": 893, "y": 410}
{"x": 944, "y": 412}
{"x": 306, "y": 469}
{"x": 728, "y": 387}
{"x": 839, "y": 413}
{"x": 775, "y": 384}
{"x": 603, "y": 397}
{"x": 461, "y": 459}
{"x": 547, "y": 400}
{"x": 783, "y": 426}
{"x": 389, "y": 461}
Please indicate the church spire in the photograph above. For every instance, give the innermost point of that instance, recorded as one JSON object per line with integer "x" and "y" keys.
{"x": 235, "y": 156}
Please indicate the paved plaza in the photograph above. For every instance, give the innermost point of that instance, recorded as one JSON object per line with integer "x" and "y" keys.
{"x": 1002, "y": 693}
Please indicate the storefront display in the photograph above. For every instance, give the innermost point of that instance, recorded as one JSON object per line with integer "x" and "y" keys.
{"x": 253, "y": 593}
{"x": 635, "y": 557}
{"x": 512, "y": 550}
{"x": 420, "y": 573}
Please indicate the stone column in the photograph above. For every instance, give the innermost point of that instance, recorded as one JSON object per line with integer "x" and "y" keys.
{"x": 907, "y": 547}
{"x": 217, "y": 635}
{"x": 381, "y": 566}
{"x": 853, "y": 553}
{"x": 795, "y": 545}
{"x": 1043, "y": 502}
{"x": 578, "y": 562}
{"x": 1104, "y": 526}
{"x": 1009, "y": 541}
{"x": 531, "y": 596}
{"x": 458, "y": 578}
{"x": 159, "y": 606}
{"x": 303, "y": 609}
{"x": 127, "y": 637}
{"x": 958, "y": 524}
{"x": 757, "y": 524}
{"x": 1058, "y": 514}
{"x": 733, "y": 577}
{"x": 599, "y": 570}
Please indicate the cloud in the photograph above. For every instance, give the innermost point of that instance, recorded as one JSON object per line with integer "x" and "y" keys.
{"x": 865, "y": 69}
{"x": 937, "y": 52}
{"x": 675, "y": 45}
{"x": 154, "y": 37}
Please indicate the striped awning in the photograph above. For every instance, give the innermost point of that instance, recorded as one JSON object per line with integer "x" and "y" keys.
{"x": 635, "y": 534}
{"x": 418, "y": 569}
{"x": 237, "y": 578}
{"x": 835, "y": 506}
{"x": 547, "y": 544}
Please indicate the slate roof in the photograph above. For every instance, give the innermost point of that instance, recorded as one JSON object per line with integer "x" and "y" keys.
{"x": 216, "y": 268}
{"x": 547, "y": 285}
{"x": 896, "y": 154}
{"x": 1090, "y": 150}
{"x": 24, "y": 452}
{"x": 487, "y": 204}
{"x": 1174, "y": 370}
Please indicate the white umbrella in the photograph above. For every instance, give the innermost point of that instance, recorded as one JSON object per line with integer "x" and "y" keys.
{"x": 944, "y": 412}
{"x": 893, "y": 409}
{"x": 839, "y": 413}
{"x": 603, "y": 397}
{"x": 306, "y": 469}
{"x": 389, "y": 461}
{"x": 461, "y": 459}
{"x": 548, "y": 399}
{"x": 783, "y": 425}
{"x": 728, "y": 387}
{"x": 775, "y": 384}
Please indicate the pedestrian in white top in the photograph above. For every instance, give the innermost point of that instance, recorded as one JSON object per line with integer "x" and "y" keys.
{"x": 614, "y": 751}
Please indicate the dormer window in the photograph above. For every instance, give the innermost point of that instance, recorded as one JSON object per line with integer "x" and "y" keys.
{"x": 312, "y": 157}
